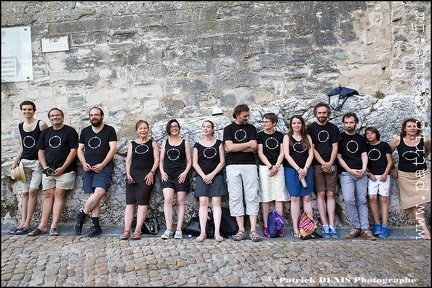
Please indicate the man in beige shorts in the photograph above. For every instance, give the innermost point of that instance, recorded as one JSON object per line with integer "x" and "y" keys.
{"x": 57, "y": 155}
{"x": 29, "y": 132}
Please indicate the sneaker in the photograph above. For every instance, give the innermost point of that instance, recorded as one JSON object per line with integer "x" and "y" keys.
{"x": 367, "y": 234}
{"x": 384, "y": 232}
{"x": 178, "y": 234}
{"x": 377, "y": 229}
{"x": 333, "y": 232}
{"x": 353, "y": 233}
{"x": 326, "y": 231}
{"x": 167, "y": 234}
{"x": 94, "y": 231}
{"x": 78, "y": 223}
{"x": 266, "y": 233}
{"x": 281, "y": 232}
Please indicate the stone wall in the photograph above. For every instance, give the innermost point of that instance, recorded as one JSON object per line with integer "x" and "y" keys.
{"x": 162, "y": 60}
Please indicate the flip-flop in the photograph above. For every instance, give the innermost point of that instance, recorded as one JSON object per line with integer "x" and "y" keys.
{"x": 22, "y": 231}
{"x": 36, "y": 232}
{"x": 54, "y": 232}
{"x": 13, "y": 230}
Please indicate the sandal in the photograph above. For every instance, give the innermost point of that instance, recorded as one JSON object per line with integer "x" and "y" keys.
{"x": 254, "y": 236}
{"x": 54, "y": 232}
{"x": 137, "y": 235}
{"x": 125, "y": 235}
{"x": 296, "y": 235}
{"x": 36, "y": 232}
{"x": 23, "y": 231}
{"x": 200, "y": 239}
{"x": 13, "y": 230}
{"x": 239, "y": 236}
{"x": 219, "y": 238}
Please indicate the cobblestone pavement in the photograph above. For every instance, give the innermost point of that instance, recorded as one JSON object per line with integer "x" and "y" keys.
{"x": 69, "y": 260}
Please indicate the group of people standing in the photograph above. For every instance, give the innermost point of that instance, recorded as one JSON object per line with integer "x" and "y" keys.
{"x": 291, "y": 166}
{"x": 49, "y": 157}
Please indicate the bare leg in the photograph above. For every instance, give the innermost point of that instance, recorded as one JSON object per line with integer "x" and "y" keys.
{"x": 129, "y": 212}
{"x": 168, "y": 209}
{"x": 384, "y": 209}
{"x": 181, "y": 202}
{"x": 141, "y": 216}
{"x": 31, "y": 206}
{"x": 59, "y": 201}
{"x": 217, "y": 215}
{"x": 331, "y": 207}
{"x": 24, "y": 209}
{"x": 295, "y": 213}
{"x": 203, "y": 215}
{"x": 373, "y": 201}
{"x": 92, "y": 205}
{"x": 46, "y": 209}
{"x": 322, "y": 209}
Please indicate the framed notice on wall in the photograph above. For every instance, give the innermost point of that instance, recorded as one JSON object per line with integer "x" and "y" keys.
{"x": 16, "y": 54}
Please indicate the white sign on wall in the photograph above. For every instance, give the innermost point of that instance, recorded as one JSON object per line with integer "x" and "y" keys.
{"x": 16, "y": 54}
{"x": 55, "y": 44}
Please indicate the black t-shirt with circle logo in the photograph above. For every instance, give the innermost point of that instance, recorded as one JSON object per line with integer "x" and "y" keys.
{"x": 323, "y": 137}
{"x": 240, "y": 134}
{"x": 96, "y": 145}
{"x": 57, "y": 145}
{"x": 351, "y": 147}
{"x": 377, "y": 157}
{"x": 271, "y": 145}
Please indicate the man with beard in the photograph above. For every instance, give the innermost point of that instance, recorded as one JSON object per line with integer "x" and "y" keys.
{"x": 96, "y": 149}
{"x": 353, "y": 159}
{"x": 240, "y": 139}
{"x": 325, "y": 137}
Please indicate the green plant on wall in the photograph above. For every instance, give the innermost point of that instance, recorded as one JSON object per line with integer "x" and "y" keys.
{"x": 379, "y": 94}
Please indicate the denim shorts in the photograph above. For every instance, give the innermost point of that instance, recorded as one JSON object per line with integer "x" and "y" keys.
{"x": 92, "y": 180}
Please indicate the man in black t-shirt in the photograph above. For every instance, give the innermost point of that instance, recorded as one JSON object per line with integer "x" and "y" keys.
{"x": 96, "y": 149}
{"x": 240, "y": 139}
{"x": 325, "y": 137}
{"x": 353, "y": 159}
{"x": 57, "y": 155}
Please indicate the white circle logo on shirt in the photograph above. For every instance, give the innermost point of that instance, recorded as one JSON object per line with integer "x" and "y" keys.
{"x": 374, "y": 154}
{"x": 352, "y": 146}
{"x": 173, "y": 154}
{"x": 209, "y": 152}
{"x": 271, "y": 143}
{"x": 323, "y": 136}
{"x": 141, "y": 149}
{"x": 410, "y": 155}
{"x": 94, "y": 142}
{"x": 29, "y": 142}
{"x": 54, "y": 142}
{"x": 240, "y": 135}
{"x": 299, "y": 147}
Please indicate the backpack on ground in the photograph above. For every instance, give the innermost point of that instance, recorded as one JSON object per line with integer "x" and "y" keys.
{"x": 275, "y": 222}
{"x": 193, "y": 227}
{"x": 228, "y": 224}
{"x": 150, "y": 225}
